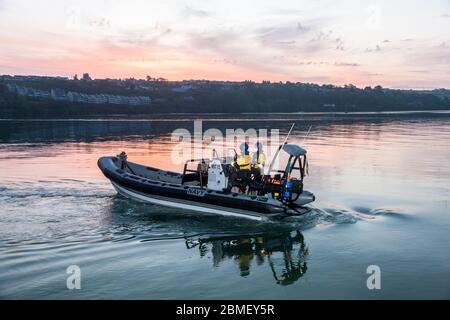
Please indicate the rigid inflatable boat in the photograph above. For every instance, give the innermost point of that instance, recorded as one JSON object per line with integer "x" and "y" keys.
{"x": 216, "y": 186}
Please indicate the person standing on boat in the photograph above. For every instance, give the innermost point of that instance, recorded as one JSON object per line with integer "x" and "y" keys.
{"x": 243, "y": 160}
{"x": 259, "y": 158}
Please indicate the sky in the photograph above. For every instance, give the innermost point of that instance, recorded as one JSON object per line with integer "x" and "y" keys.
{"x": 396, "y": 44}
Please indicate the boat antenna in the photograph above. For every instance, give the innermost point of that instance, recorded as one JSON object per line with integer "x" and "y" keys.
{"x": 279, "y": 148}
{"x": 307, "y": 134}
{"x": 303, "y": 142}
{"x": 215, "y": 154}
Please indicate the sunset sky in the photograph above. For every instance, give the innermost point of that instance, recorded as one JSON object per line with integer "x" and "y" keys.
{"x": 399, "y": 44}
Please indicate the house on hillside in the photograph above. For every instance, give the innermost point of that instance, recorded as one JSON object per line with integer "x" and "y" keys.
{"x": 58, "y": 95}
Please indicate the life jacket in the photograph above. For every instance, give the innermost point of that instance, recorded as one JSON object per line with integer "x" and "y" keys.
{"x": 243, "y": 161}
{"x": 259, "y": 159}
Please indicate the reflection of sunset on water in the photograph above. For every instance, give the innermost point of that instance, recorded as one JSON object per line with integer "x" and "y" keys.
{"x": 381, "y": 184}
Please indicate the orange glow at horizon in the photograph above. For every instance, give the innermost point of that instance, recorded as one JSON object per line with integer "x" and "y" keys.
{"x": 323, "y": 42}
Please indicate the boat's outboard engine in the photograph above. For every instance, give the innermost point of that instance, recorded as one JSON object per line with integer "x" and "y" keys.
{"x": 287, "y": 191}
{"x": 292, "y": 190}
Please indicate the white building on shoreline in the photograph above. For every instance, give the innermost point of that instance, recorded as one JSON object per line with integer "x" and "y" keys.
{"x": 70, "y": 96}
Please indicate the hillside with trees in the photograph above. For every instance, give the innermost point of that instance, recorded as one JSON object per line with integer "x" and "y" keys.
{"x": 202, "y": 96}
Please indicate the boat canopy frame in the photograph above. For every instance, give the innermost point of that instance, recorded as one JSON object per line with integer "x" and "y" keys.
{"x": 297, "y": 161}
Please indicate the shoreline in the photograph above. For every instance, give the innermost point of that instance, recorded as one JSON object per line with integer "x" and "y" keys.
{"x": 245, "y": 116}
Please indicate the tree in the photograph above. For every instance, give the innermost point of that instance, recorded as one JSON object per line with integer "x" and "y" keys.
{"x": 75, "y": 77}
{"x": 86, "y": 77}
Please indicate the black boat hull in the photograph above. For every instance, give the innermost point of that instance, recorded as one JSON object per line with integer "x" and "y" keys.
{"x": 190, "y": 197}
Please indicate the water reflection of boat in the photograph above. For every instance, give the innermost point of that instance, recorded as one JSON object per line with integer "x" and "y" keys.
{"x": 285, "y": 253}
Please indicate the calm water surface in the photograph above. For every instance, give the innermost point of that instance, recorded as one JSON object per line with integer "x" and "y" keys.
{"x": 382, "y": 187}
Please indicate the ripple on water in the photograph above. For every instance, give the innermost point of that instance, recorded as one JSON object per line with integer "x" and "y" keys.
{"x": 47, "y": 212}
{"x": 54, "y": 212}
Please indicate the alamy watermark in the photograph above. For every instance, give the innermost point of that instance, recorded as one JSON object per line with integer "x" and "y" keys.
{"x": 73, "y": 281}
{"x": 375, "y": 17}
{"x": 202, "y": 144}
{"x": 374, "y": 280}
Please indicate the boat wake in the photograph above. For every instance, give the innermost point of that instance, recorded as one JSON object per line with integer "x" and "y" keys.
{"x": 340, "y": 215}
{"x": 84, "y": 210}
{"x": 54, "y": 189}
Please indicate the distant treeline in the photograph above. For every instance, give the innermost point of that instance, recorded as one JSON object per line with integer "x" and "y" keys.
{"x": 217, "y": 97}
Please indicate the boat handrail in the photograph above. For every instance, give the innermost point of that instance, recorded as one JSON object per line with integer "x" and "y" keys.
{"x": 200, "y": 159}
